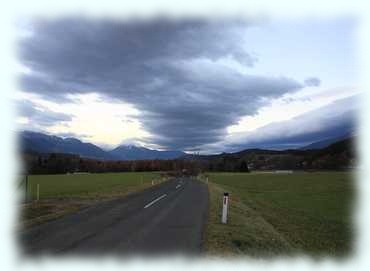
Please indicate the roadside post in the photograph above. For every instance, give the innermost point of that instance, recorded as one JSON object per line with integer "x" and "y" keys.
{"x": 38, "y": 192}
{"x": 26, "y": 190}
{"x": 224, "y": 208}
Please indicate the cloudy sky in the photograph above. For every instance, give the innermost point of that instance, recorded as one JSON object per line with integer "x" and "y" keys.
{"x": 190, "y": 85}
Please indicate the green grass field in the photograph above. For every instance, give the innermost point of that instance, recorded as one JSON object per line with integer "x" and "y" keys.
{"x": 88, "y": 185}
{"x": 277, "y": 214}
{"x": 66, "y": 193}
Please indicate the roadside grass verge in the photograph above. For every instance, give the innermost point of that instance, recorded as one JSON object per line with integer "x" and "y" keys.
{"x": 281, "y": 214}
{"x": 245, "y": 233}
{"x": 40, "y": 212}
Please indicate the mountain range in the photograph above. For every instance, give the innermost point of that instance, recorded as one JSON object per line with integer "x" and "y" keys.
{"x": 325, "y": 142}
{"x": 131, "y": 152}
{"x": 337, "y": 156}
{"x": 43, "y": 143}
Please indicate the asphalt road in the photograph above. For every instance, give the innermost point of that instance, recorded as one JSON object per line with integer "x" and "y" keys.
{"x": 167, "y": 218}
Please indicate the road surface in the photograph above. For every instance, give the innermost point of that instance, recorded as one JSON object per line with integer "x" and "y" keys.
{"x": 167, "y": 218}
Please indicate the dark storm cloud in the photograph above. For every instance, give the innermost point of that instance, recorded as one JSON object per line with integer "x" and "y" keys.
{"x": 312, "y": 82}
{"x": 331, "y": 121}
{"x": 173, "y": 72}
{"x": 40, "y": 116}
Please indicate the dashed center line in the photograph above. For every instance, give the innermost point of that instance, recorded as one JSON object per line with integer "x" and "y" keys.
{"x": 177, "y": 186}
{"x": 154, "y": 201}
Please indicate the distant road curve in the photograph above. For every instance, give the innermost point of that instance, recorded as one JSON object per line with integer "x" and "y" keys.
{"x": 167, "y": 218}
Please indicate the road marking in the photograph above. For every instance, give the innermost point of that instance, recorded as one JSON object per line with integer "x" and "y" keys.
{"x": 177, "y": 186}
{"x": 154, "y": 201}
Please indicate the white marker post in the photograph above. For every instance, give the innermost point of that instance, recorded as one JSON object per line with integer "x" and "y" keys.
{"x": 38, "y": 192}
{"x": 224, "y": 208}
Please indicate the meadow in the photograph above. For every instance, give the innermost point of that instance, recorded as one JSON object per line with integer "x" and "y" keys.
{"x": 281, "y": 214}
{"x": 88, "y": 185}
{"x": 61, "y": 194}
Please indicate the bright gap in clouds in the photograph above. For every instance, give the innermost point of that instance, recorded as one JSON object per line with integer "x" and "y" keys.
{"x": 290, "y": 106}
{"x": 94, "y": 120}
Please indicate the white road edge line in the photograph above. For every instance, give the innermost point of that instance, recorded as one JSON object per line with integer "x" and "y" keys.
{"x": 154, "y": 201}
{"x": 177, "y": 186}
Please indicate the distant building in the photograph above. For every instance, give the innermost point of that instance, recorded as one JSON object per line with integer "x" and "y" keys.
{"x": 284, "y": 171}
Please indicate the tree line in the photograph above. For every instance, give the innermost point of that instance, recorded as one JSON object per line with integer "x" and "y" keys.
{"x": 60, "y": 163}
{"x": 338, "y": 156}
